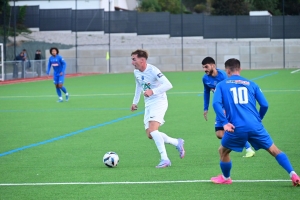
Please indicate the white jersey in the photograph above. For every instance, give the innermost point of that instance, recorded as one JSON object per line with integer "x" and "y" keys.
{"x": 151, "y": 78}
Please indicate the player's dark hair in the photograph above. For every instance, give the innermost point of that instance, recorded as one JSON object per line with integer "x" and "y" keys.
{"x": 55, "y": 49}
{"x": 208, "y": 60}
{"x": 140, "y": 53}
{"x": 233, "y": 64}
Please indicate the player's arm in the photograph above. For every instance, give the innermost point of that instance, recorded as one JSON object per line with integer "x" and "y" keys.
{"x": 262, "y": 101}
{"x": 206, "y": 98}
{"x": 137, "y": 96}
{"x": 49, "y": 67}
{"x": 218, "y": 105}
{"x": 165, "y": 84}
{"x": 64, "y": 65}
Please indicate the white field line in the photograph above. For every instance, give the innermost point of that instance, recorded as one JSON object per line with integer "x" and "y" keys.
{"x": 128, "y": 182}
{"x": 125, "y": 94}
{"x": 295, "y": 71}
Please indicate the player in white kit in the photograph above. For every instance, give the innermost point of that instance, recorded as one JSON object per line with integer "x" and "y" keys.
{"x": 154, "y": 85}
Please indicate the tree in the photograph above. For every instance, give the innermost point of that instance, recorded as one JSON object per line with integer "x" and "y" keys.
{"x": 291, "y": 7}
{"x": 149, "y": 6}
{"x": 269, "y": 5}
{"x": 172, "y": 6}
{"x": 230, "y": 7}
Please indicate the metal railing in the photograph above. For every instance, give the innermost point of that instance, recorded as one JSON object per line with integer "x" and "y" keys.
{"x": 24, "y": 69}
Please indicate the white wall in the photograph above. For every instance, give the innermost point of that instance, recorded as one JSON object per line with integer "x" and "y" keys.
{"x": 81, "y": 4}
{"x": 59, "y": 4}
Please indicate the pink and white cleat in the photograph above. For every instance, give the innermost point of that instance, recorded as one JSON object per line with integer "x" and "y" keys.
{"x": 296, "y": 180}
{"x": 221, "y": 180}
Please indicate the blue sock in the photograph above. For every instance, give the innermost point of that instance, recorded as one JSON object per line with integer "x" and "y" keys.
{"x": 247, "y": 145}
{"x": 58, "y": 92}
{"x": 226, "y": 167}
{"x": 63, "y": 89}
{"x": 284, "y": 161}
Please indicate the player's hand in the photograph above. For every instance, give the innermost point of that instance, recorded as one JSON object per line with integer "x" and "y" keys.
{"x": 205, "y": 114}
{"x": 148, "y": 93}
{"x": 61, "y": 73}
{"x": 134, "y": 107}
{"x": 229, "y": 127}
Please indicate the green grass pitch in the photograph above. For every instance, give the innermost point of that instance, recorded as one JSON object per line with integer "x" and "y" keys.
{"x": 53, "y": 150}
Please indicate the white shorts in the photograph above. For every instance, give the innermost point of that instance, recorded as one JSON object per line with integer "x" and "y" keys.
{"x": 155, "y": 112}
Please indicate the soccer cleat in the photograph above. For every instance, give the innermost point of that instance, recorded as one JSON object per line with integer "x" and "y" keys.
{"x": 296, "y": 180}
{"x": 67, "y": 97}
{"x": 60, "y": 100}
{"x": 180, "y": 148}
{"x": 164, "y": 163}
{"x": 220, "y": 180}
{"x": 249, "y": 154}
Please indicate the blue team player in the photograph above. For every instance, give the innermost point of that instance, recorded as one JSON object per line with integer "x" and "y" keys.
{"x": 210, "y": 79}
{"x": 59, "y": 67}
{"x": 237, "y": 96}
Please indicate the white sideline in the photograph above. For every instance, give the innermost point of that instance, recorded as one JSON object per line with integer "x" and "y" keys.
{"x": 295, "y": 71}
{"x": 128, "y": 182}
{"x": 123, "y": 94}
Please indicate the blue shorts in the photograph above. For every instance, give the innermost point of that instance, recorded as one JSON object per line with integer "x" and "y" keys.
{"x": 58, "y": 79}
{"x": 259, "y": 139}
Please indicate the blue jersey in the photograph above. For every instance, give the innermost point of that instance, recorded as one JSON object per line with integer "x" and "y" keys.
{"x": 58, "y": 64}
{"x": 237, "y": 96}
{"x": 209, "y": 83}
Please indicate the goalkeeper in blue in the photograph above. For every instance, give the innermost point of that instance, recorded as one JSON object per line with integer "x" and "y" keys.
{"x": 243, "y": 122}
{"x": 59, "y": 67}
{"x": 210, "y": 79}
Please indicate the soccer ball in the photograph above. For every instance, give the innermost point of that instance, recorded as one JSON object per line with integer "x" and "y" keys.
{"x": 111, "y": 159}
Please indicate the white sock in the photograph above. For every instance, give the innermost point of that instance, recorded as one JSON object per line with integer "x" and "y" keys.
{"x": 67, "y": 94}
{"x": 159, "y": 141}
{"x": 249, "y": 149}
{"x": 60, "y": 98}
{"x": 292, "y": 172}
{"x": 168, "y": 139}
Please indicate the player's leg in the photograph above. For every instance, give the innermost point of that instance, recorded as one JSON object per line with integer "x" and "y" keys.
{"x": 153, "y": 133}
{"x": 225, "y": 165}
{"x": 263, "y": 140}
{"x": 249, "y": 152}
{"x": 159, "y": 142}
{"x": 285, "y": 163}
{"x": 159, "y": 113}
{"x": 219, "y": 128}
{"x": 178, "y": 143}
{"x": 56, "y": 83}
{"x": 62, "y": 87}
{"x": 230, "y": 142}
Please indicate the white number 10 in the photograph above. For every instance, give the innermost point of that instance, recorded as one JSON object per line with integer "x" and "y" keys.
{"x": 240, "y": 95}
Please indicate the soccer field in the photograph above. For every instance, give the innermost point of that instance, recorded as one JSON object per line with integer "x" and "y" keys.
{"x": 51, "y": 150}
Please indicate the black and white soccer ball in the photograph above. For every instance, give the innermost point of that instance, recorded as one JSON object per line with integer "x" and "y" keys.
{"x": 111, "y": 159}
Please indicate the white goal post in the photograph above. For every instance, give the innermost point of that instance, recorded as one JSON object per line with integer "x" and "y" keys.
{"x": 1, "y": 63}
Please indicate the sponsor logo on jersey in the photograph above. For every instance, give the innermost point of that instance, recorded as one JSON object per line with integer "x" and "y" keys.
{"x": 146, "y": 86}
{"x": 55, "y": 64}
{"x": 241, "y": 82}
{"x": 159, "y": 75}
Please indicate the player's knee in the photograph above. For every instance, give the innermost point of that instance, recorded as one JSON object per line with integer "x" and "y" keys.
{"x": 148, "y": 134}
{"x": 219, "y": 137}
{"x": 220, "y": 134}
{"x": 59, "y": 85}
{"x": 274, "y": 151}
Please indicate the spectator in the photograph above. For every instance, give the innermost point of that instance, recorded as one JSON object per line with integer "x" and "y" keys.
{"x": 37, "y": 61}
{"x": 19, "y": 60}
